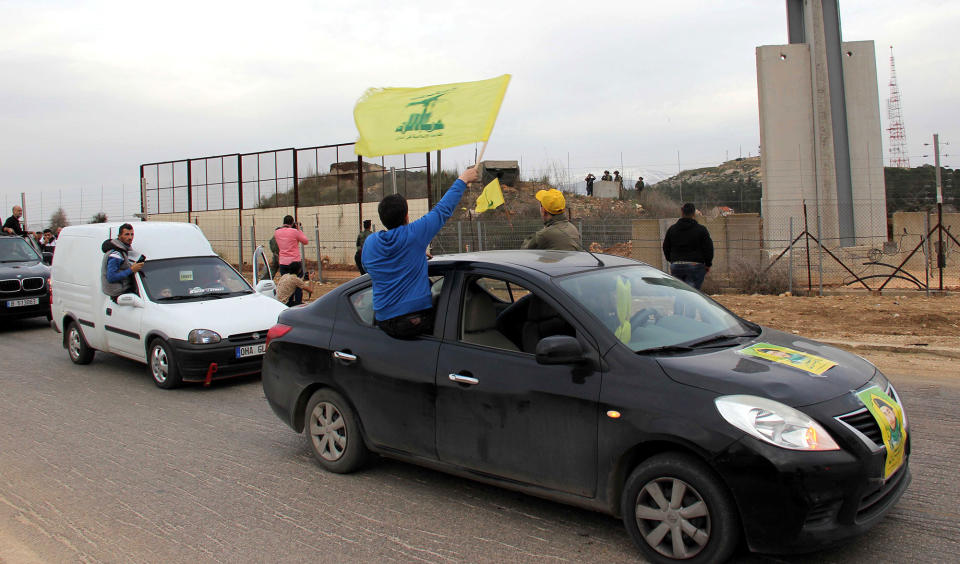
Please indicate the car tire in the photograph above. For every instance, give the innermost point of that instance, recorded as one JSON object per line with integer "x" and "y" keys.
{"x": 163, "y": 365}
{"x": 77, "y": 347}
{"x": 703, "y": 514}
{"x": 333, "y": 430}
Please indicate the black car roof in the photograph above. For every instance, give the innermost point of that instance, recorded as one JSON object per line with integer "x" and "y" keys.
{"x": 549, "y": 263}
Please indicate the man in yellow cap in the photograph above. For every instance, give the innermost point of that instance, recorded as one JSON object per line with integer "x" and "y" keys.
{"x": 557, "y": 234}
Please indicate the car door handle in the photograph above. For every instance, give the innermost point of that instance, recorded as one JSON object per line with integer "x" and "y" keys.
{"x": 461, "y": 379}
{"x": 347, "y": 357}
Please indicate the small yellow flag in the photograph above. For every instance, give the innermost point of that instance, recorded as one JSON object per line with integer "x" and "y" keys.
{"x": 491, "y": 197}
{"x": 394, "y": 121}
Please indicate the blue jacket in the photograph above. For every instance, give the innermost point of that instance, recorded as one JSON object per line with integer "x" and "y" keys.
{"x": 396, "y": 260}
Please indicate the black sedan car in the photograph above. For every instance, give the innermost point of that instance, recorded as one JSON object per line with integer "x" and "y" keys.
{"x": 604, "y": 383}
{"x": 24, "y": 280}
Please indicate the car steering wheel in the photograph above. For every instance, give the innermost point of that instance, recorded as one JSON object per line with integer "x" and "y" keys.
{"x": 642, "y": 317}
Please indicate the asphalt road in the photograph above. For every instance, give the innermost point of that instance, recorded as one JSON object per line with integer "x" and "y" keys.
{"x": 99, "y": 465}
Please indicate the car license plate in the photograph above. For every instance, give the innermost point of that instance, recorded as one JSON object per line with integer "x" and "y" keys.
{"x": 23, "y": 302}
{"x": 251, "y": 350}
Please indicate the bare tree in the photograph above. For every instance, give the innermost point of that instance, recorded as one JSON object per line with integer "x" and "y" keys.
{"x": 58, "y": 220}
{"x": 98, "y": 217}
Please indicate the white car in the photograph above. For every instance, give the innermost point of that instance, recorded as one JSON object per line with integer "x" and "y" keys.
{"x": 193, "y": 317}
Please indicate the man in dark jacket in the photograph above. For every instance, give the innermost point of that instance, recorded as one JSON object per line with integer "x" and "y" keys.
{"x": 688, "y": 248}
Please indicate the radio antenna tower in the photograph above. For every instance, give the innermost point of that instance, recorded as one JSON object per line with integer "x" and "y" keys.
{"x": 898, "y": 136}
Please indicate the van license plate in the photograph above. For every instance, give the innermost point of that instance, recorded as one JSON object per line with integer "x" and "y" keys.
{"x": 24, "y": 302}
{"x": 251, "y": 350}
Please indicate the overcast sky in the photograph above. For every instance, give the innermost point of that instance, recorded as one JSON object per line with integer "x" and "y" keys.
{"x": 92, "y": 89}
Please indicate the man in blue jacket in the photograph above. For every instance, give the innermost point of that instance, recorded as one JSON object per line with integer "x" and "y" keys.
{"x": 396, "y": 261}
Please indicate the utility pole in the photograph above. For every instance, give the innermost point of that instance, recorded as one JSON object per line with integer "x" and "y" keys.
{"x": 941, "y": 260}
{"x": 679, "y": 178}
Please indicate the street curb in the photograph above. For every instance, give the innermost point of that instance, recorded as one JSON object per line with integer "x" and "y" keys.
{"x": 938, "y": 351}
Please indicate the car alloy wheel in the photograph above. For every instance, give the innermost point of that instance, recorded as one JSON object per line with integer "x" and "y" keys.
{"x": 159, "y": 364}
{"x": 74, "y": 343}
{"x": 77, "y": 348}
{"x": 328, "y": 431}
{"x": 163, "y": 365}
{"x": 670, "y": 505}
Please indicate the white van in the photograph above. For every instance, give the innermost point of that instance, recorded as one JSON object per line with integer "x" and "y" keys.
{"x": 193, "y": 318}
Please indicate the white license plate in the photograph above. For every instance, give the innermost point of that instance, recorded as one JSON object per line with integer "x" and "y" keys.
{"x": 251, "y": 350}
{"x": 23, "y": 302}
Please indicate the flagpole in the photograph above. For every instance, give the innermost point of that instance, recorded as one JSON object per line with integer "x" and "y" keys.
{"x": 482, "y": 149}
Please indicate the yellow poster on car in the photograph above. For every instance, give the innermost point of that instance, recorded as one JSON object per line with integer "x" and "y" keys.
{"x": 798, "y": 359}
{"x": 889, "y": 417}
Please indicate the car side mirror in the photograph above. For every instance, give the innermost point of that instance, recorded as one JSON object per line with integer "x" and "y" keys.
{"x": 267, "y": 287}
{"x": 131, "y": 300}
{"x": 559, "y": 349}
{"x": 47, "y": 258}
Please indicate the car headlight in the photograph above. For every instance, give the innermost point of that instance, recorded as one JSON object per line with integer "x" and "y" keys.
{"x": 775, "y": 423}
{"x": 203, "y": 337}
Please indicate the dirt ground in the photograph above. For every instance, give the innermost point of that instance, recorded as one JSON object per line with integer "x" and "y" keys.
{"x": 907, "y": 320}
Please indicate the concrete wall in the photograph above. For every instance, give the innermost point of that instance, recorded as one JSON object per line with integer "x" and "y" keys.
{"x": 796, "y": 143}
{"x": 606, "y": 189}
{"x": 233, "y": 233}
{"x": 787, "y": 163}
{"x": 866, "y": 143}
{"x": 736, "y": 238}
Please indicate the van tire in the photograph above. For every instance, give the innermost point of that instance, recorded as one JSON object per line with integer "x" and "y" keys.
{"x": 77, "y": 347}
{"x": 163, "y": 365}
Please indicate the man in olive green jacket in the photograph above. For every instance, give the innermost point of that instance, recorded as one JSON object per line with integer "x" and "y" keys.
{"x": 557, "y": 234}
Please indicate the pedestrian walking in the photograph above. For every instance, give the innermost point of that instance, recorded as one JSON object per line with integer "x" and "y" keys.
{"x": 688, "y": 248}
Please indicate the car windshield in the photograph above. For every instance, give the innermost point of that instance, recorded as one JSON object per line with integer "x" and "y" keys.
{"x": 191, "y": 278}
{"x": 647, "y": 309}
{"x": 15, "y": 249}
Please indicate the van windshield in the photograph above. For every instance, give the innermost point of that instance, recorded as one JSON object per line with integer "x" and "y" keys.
{"x": 191, "y": 278}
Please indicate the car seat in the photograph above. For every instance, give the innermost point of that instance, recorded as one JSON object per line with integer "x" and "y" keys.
{"x": 480, "y": 320}
{"x": 542, "y": 321}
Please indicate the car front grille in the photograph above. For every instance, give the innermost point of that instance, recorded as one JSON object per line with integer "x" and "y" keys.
{"x": 31, "y": 284}
{"x": 10, "y": 285}
{"x": 248, "y": 337}
{"x": 871, "y": 503}
{"x": 863, "y": 421}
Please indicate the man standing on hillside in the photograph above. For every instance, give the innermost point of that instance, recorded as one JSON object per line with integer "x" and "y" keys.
{"x": 558, "y": 233}
{"x": 688, "y": 248}
{"x": 589, "y": 180}
{"x": 396, "y": 261}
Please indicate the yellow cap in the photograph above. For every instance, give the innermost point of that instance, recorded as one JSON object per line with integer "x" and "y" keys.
{"x": 552, "y": 200}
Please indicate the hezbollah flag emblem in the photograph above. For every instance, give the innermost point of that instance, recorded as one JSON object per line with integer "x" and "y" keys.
{"x": 393, "y": 121}
{"x": 490, "y": 198}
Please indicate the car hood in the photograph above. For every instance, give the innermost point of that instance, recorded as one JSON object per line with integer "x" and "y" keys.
{"x": 228, "y": 316}
{"x": 730, "y": 371}
{"x": 24, "y": 269}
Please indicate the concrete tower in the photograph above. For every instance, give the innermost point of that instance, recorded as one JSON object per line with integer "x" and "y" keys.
{"x": 820, "y": 132}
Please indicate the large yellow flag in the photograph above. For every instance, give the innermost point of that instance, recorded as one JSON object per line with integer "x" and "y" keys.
{"x": 491, "y": 197}
{"x": 393, "y": 121}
